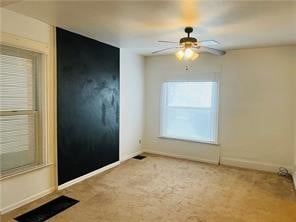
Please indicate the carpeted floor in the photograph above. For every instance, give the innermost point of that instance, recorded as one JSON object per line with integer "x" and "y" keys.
{"x": 166, "y": 189}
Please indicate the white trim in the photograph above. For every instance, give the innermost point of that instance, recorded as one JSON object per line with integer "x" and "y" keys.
{"x": 180, "y": 156}
{"x": 294, "y": 179}
{"x": 250, "y": 164}
{"x": 25, "y": 171}
{"x": 86, "y": 176}
{"x": 23, "y": 43}
{"x": 129, "y": 156}
{"x": 189, "y": 140}
{"x": 26, "y": 200}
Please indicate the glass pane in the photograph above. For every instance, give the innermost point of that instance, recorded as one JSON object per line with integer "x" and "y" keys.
{"x": 190, "y": 123}
{"x": 17, "y": 141}
{"x": 190, "y": 110}
{"x": 190, "y": 94}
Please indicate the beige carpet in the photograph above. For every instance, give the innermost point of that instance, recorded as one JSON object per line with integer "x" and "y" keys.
{"x": 167, "y": 189}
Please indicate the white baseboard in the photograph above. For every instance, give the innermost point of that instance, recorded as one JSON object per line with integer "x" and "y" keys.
{"x": 248, "y": 164}
{"x": 126, "y": 157}
{"x": 179, "y": 156}
{"x": 294, "y": 179}
{"x": 26, "y": 201}
{"x": 84, "y": 177}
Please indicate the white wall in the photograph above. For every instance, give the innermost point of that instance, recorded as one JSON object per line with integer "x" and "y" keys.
{"x": 22, "y": 188}
{"x": 256, "y": 106}
{"x": 294, "y": 71}
{"x": 131, "y": 103}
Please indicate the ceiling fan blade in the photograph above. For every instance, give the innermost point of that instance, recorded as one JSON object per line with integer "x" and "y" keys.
{"x": 164, "y": 50}
{"x": 208, "y": 42}
{"x": 212, "y": 51}
{"x": 168, "y": 41}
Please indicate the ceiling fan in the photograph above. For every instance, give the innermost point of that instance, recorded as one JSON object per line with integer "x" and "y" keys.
{"x": 188, "y": 47}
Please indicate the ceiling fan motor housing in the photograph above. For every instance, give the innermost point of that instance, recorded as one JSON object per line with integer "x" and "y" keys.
{"x": 188, "y": 42}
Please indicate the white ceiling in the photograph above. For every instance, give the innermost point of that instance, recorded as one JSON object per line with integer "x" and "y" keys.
{"x": 139, "y": 24}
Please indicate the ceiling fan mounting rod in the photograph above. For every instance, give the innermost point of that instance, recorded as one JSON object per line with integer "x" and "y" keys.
{"x": 188, "y": 30}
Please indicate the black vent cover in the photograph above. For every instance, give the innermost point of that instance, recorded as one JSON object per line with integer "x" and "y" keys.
{"x": 139, "y": 157}
{"x": 47, "y": 210}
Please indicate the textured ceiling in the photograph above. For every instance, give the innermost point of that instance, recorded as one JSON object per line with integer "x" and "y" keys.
{"x": 139, "y": 24}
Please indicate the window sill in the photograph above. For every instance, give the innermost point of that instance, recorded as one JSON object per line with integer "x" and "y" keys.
{"x": 189, "y": 140}
{"x": 28, "y": 169}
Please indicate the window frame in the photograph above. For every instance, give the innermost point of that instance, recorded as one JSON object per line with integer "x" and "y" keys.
{"x": 163, "y": 100}
{"x": 43, "y": 96}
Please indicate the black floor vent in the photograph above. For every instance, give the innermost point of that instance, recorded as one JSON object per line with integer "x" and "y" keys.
{"x": 139, "y": 157}
{"x": 47, "y": 210}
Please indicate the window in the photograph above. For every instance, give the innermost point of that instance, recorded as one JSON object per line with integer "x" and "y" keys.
{"x": 189, "y": 111}
{"x": 19, "y": 109}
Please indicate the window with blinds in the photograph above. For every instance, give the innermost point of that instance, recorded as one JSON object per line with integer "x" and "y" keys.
{"x": 189, "y": 111}
{"x": 19, "y": 109}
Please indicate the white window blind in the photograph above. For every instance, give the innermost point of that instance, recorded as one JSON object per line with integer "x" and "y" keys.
{"x": 189, "y": 111}
{"x": 18, "y": 109}
{"x": 16, "y": 83}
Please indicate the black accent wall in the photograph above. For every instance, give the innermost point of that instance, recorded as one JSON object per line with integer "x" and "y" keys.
{"x": 87, "y": 105}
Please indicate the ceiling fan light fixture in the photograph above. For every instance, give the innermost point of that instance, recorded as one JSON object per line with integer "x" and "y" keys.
{"x": 194, "y": 56}
{"x": 188, "y": 53}
{"x": 180, "y": 54}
